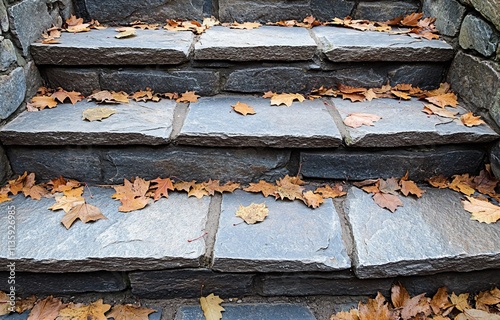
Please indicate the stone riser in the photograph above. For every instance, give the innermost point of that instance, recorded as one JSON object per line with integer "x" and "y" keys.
{"x": 108, "y": 165}
{"x": 210, "y": 78}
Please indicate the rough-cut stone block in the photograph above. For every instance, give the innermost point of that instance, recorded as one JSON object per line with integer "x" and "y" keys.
{"x": 490, "y": 9}
{"x": 28, "y": 283}
{"x": 212, "y": 122}
{"x": 448, "y": 14}
{"x": 251, "y": 312}
{"x": 427, "y": 235}
{"x": 12, "y": 91}
{"x": 326, "y": 10}
{"x": 385, "y": 10}
{"x": 7, "y": 53}
{"x": 149, "y": 10}
{"x": 187, "y": 283}
{"x": 124, "y": 242}
{"x": 130, "y": 80}
{"x": 277, "y": 79}
{"x": 478, "y": 35}
{"x": 347, "y": 45}
{"x": 420, "y": 163}
{"x": 423, "y": 75}
{"x": 292, "y": 238}
{"x": 4, "y": 167}
{"x": 186, "y": 163}
{"x": 100, "y": 47}
{"x": 264, "y": 43}
{"x": 404, "y": 124}
{"x": 477, "y": 81}
{"x": 4, "y": 18}
{"x": 135, "y": 122}
{"x": 495, "y": 159}
{"x": 25, "y": 27}
{"x": 85, "y": 81}
{"x": 33, "y": 78}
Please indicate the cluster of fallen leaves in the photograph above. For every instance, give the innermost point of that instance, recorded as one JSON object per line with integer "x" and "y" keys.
{"x": 73, "y": 25}
{"x": 52, "y": 308}
{"x": 442, "y": 306}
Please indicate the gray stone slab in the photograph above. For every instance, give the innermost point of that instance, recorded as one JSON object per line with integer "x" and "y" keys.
{"x": 420, "y": 163}
{"x": 211, "y": 121}
{"x": 495, "y": 159}
{"x": 33, "y": 79}
{"x": 490, "y": 9}
{"x": 28, "y": 283}
{"x": 5, "y": 170}
{"x": 251, "y": 312}
{"x": 259, "y": 80}
{"x": 12, "y": 92}
{"x": 264, "y": 43}
{"x": 348, "y": 45}
{"x": 84, "y": 80}
{"x": 187, "y": 283}
{"x": 136, "y": 122}
{"x": 426, "y": 236}
{"x": 384, "y": 10}
{"x": 7, "y": 53}
{"x": 4, "y": 18}
{"x": 100, "y": 47}
{"x": 23, "y": 316}
{"x": 477, "y": 34}
{"x": 404, "y": 124}
{"x": 203, "y": 82}
{"x": 124, "y": 242}
{"x": 292, "y": 238}
{"x": 448, "y": 13}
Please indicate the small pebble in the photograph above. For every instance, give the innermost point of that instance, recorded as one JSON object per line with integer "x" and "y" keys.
{"x": 239, "y": 301}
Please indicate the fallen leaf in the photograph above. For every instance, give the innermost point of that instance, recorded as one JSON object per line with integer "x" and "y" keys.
{"x": 228, "y": 187}
{"x": 286, "y": 99}
{"x": 474, "y": 314}
{"x": 4, "y": 197}
{"x": 356, "y": 120}
{"x": 440, "y": 301}
{"x": 267, "y": 189}
{"x": 482, "y": 211}
{"x": 188, "y": 96}
{"x": 288, "y": 188}
{"x": 431, "y": 109}
{"x": 105, "y": 96}
{"x": 411, "y": 20}
{"x": 211, "y": 307}
{"x": 212, "y": 186}
{"x": 129, "y": 312}
{"x": 329, "y": 192}
{"x": 408, "y": 186}
{"x": 400, "y": 94}
{"x": 25, "y": 304}
{"x": 84, "y": 27}
{"x": 375, "y": 309}
{"x": 73, "y": 96}
{"x": 487, "y": 298}
{"x": 243, "y": 108}
{"x": 97, "y": 114}
{"x": 253, "y": 213}
{"x": 418, "y": 305}
{"x": 73, "y": 20}
{"x": 42, "y": 102}
{"x": 133, "y": 203}
{"x": 486, "y": 183}
{"x": 348, "y": 89}
{"x": 470, "y": 120}
{"x": 461, "y": 301}
{"x": 4, "y": 303}
{"x": 440, "y": 182}
{"x": 462, "y": 183}
{"x": 85, "y": 212}
{"x": 390, "y": 185}
{"x": 399, "y": 295}
{"x": 66, "y": 203}
{"x": 312, "y": 199}
{"x": 387, "y": 201}
{"x": 161, "y": 187}
{"x": 197, "y": 191}
{"x": 354, "y": 97}
{"x": 245, "y": 25}
{"x": 79, "y": 311}
{"x": 126, "y": 33}
{"x": 46, "y": 309}
{"x": 36, "y": 192}
{"x": 184, "y": 186}
{"x": 447, "y": 99}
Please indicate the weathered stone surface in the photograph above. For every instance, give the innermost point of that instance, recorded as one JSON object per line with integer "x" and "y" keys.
{"x": 7, "y": 53}
{"x": 131, "y": 80}
{"x": 325, "y": 10}
{"x": 135, "y": 122}
{"x": 448, "y": 14}
{"x": 495, "y": 159}
{"x": 251, "y": 312}
{"x": 423, "y": 75}
{"x": 490, "y": 9}
{"x": 82, "y": 80}
{"x": 404, "y": 124}
{"x": 352, "y": 74}
{"x": 347, "y": 45}
{"x": 477, "y": 81}
{"x": 25, "y": 27}
{"x": 28, "y": 283}
{"x": 212, "y": 122}
{"x": 277, "y": 79}
{"x": 4, "y": 18}
{"x": 4, "y": 167}
{"x": 12, "y": 91}
{"x": 384, "y": 10}
{"x": 24, "y": 316}
{"x": 264, "y": 43}
{"x": 33, "y": 79}
{"x": 186, "y": 283}
{"x": 478, "y": 35}
{"x": 149, "y": 10}
{"x": 100, "y": 47}
{"x": 421, "y": 163}
{"x": 292, "y": 238}
{"x": 429, "y": 235}
{"x": 123, "y": 242}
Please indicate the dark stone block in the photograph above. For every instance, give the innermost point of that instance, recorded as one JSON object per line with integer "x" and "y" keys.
{"x": 251, "y": 312}
{"x": 421, "y": 163}
{"x": 12, "y": 92}
{"x": 65, "y": 283}
{"x": 385, "y": 10}
{"x": 426, "y": 76}
{"x": 260, "y": 80}
{"x": 477, "y": 34}
{"x": 448, "y": 14}
{"x": 274, "y": 10}
{"x": 85, "y": 81}
{"x": 5, "y": 170}
{"x": 188, "y": 283}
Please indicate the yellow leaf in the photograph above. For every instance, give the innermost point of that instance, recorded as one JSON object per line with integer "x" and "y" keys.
{"x": 408, "y": 186}
{"x": 482, "y": 211}
{"x": 470, "y": 120}
{"x": 97, "y": 114}
{"x": 41, "y": 102}
{"x": 84, "y": 212}
{"x": 461, "y": 301}
{"x": 245, "y": 25}
{"x": 94, "y": 311}
{"x": 356, "y": 120}
{"x": 243, "y": 108}
{"x": 313, "y": 200}
{"x": 329, "y": 192}
{"x": 443, "y": 100}
{"x": 126, "y": 33}
{"x": 267, "y": 189}
{"x": 286, "y": 99}
{"x": 188, "y": 96}
{"x": 4, "y": 303}
{"x": 253, "y": 213}
{"x": 211, "y": 307}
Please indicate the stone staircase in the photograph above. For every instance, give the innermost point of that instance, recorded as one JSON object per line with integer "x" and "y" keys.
{"x": 178, "y": 246}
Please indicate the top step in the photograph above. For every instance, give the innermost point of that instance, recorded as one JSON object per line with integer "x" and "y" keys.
{"x": 267, "y": 43}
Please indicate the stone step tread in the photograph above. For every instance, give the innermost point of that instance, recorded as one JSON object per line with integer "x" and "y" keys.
{"x": 267, "y": 43}
{"x": 425, "y": 236}
{"x": 212, "y": 122}
{"x": 24, "y": 316}
{"x": 262, "y": 311}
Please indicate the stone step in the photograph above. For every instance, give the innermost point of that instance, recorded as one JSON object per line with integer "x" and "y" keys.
{"x": 208, "y": 139}
{"x": 263, "y": 311}
{"x": 296, "y": 251}
{"x": 232, "y": 60}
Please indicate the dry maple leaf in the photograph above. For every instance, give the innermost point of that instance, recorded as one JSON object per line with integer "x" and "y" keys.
{"x": 212, "y": 186}
{"x": 440, "y": 182}
{"x": 132, "y": 195}
{"x": 375, "y": 309}
{"x": 16, "y": 185}
{"x": 105, "y": 96}
{"x": 408, "y": 186}
{"x": 399, "y": 295}
{"x": 147, "y": 95}
{"x": 370, "y": 95}
{"x": 443, "y": 100}
{"x": 482, "y": 211}
{"x": 390, "y": 185}
{"x": 73, "y": 96}
{"x": 286, "y": 99}
{"x": 312, "y": 199}
{"x": 73, "y": 20}
{"x": 245, "y": 25}
{"x": 348, "y": 89}
{"x": 462, "y": 183}
{"x": 188, "y": 96}
{"x": 470, "y": 120}
{"x": 66, "y": 203}
{"x": 431, "y": 109}
{"x": 4, "y": 303}
{"x": 329, "y": 192}
{"x": 129, "y": 312}
{"x": 267, "y": 189}
{"x": 440, "y": 301}
{"x": 475, "y": 314}
{"x": 356, "y": 120}
{"x": 84, "y": 27}
{"x": 289, "y": 188}
{"x": 487, "y": 298}
{"x": 79, "y": 311}
{"x": 4, "y": 197}
{"x": 485, "y": 182}
{"x": 268, "y": 94}
{"x": 184, "y": 186}
{"x": 25, "y": 304}
{"x": 461, "y": 302}
{"x": 243, "y": 108}
{"x": 36, "y": 192}
{"x": 85, "y": 212}
{"x": 126, "y": 34}
{"x": 198, "y": 191}
{"x": 411, "y": 20}
{"x": 354, "y": 97}
{"x": 161, "y": 187}
{"x": 400, "y": 94}
{"x": 133, "y": 203}
{"x": 211, "y": 307}
{"x": 97, "y": 114}
{"x": 253, "y": 213}
{"x": 46, "y": 309}
{"x": 387, "y": 201}
{"x": 418, "y": 305}
{"x": 42, "y": 102}
{"x": 75, "y": 192}
{"x": 228, "y": 187}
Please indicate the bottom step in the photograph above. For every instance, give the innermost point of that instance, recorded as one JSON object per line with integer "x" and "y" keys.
{"x": 251, "y": 312}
